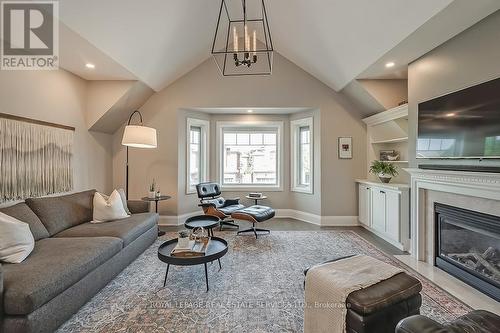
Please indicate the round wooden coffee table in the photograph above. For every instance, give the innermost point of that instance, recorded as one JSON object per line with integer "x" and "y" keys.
{"x": 216, "y": 250}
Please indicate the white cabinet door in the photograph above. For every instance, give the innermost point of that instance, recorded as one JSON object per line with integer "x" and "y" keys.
{"x": 392, "y": 215}
{"x": 364, "y": 212}
{"x": 378, "y": 209}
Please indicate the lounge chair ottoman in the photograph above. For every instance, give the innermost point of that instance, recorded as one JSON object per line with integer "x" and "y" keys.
{"x": 254, "y": 214}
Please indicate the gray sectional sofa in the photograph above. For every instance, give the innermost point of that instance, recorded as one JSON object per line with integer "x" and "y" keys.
{"x": 72, "y": 259}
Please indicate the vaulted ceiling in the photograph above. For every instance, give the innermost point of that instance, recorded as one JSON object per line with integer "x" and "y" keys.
{"x": 158, "y": 41}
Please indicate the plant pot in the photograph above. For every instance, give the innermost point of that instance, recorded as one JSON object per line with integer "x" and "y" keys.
{"x": 151, "y": 194}
{"x": 384, "y": 178}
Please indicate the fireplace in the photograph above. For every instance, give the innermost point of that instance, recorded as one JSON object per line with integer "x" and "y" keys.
{"x": 468, "y": 247}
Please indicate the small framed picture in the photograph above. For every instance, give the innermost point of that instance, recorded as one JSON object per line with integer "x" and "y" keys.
{"x": 345, "y": 147}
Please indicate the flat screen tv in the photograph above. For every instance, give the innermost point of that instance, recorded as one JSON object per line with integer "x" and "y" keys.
{"x": 461, "y": 125}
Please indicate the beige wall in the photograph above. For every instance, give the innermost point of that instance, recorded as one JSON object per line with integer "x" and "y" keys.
{"x": 387, "y": 92}
{"x": 470, "y": 58}
{"x": 102, "y": 95}
{"x": 60, "y": 97}
{"x": 204, "y": 87}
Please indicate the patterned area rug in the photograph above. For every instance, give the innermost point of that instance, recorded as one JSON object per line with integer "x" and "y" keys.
{"x": 259, "y": 289}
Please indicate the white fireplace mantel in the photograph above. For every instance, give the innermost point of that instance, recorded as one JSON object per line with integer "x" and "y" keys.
{"x": 475, "y": 184}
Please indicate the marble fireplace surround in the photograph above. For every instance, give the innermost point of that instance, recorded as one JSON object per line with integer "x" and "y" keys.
{"x": 475, "y": 191}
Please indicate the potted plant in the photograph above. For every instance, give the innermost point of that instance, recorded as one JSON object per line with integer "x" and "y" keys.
{"x": 384, "y": 170}
{"x": 152, "y": 187}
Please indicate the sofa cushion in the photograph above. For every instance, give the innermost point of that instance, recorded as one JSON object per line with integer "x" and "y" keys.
{"x": 54, "y": 265}
{"x": 22, "y": 212}
{"x": 128, "y": 229}
{"x": 63, "y": 212}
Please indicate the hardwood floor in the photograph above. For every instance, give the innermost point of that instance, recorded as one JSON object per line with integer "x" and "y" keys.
{"x": 286, "y": 224}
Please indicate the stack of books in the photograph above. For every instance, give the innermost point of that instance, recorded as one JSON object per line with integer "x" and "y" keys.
{"x": 193, "y": 249}
{"x": 255, "y": 195}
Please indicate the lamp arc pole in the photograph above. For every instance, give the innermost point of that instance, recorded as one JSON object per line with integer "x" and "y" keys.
{"x": 126, "y": 168}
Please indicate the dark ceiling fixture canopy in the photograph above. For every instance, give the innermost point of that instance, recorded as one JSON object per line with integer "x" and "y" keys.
{"x": 242, "y": 43}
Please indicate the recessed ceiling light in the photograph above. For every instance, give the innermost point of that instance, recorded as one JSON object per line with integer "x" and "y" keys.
{"x": 249, "y": 111}
{"x": 450, "y": 114}
{"x": 89, "y": 65}
{"x": 389, "y": 64}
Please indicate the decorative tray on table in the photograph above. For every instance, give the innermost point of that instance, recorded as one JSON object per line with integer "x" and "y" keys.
{"x": 197, "y": 247}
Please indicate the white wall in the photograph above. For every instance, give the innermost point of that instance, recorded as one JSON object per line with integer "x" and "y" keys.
{"x": 469, "y": 58}
{"x": 204, "y": 87}
{"x": 60, "y": 97}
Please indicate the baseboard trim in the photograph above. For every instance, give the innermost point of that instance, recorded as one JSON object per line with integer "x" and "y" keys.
{"x": 298, "y": 215}
{"x": 175, "y": 220}
{"x": 324, "y": 221}
{"x": 339, "y": 221}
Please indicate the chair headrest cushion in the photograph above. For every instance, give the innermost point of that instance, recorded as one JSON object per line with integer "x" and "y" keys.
{"x": 206, "y": 190}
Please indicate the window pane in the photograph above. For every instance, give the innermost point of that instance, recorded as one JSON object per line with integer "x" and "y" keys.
{"x": 195, "y": 155}
{"x": 252, "y": 159}
{"x": 242, "y": 138}
{"x": 230, "y": 138}
{"x": 270, "y": 138}
{"x": 304, "y": 156}
{"x": 256, "y": 138}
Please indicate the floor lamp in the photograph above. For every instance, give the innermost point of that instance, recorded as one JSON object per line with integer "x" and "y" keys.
{"x": 137, "y": 136}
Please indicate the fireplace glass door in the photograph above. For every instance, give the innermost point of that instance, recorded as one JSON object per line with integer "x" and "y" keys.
{"x": 468, "y": 244}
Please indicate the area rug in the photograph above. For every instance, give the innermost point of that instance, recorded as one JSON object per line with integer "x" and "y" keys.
{"x": 259, "y": 289}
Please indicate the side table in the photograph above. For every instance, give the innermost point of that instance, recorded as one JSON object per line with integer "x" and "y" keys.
{"x": 156, "y": 199}
{"x": 257, "y": 198}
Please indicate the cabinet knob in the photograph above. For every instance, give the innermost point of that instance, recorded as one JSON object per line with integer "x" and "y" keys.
{"x": 382, "y": 192}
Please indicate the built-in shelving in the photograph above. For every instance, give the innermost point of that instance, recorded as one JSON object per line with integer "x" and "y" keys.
{"x": 394, "y": 140}
{"x": 388, "y": 130}
{"x": 397, "y": 161}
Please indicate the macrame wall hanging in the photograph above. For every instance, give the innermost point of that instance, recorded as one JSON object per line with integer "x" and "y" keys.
{"x": 35, "y": 158}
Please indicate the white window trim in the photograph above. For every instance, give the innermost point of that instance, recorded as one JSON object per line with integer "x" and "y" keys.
{"x": 205, "y": 147}
{"x": 220, "y": 125}
{"x": 295, "y": 126}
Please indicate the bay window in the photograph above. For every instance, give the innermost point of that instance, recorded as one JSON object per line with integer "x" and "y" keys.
{"x": 249, "y": 154}
{"x": 197, "y": 153}
{"x": 302, "y": 155}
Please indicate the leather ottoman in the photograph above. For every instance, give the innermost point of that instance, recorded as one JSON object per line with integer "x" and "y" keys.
{"x": 379, "y": 308}
{"x": 254, "y": 214}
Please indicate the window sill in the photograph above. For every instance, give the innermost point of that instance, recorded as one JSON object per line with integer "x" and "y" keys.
{"x": 302, "y": 190}
{"x": 251, "y": 188}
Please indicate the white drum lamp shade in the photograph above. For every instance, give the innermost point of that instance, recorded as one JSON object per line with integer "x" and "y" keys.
{"x": 139, "y": 136}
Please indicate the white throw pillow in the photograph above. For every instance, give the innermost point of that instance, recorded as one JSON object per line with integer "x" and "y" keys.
{"x": 108, "y": 208}
{"x": 124, "y": 200}
{"x": 16, "y": 239}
